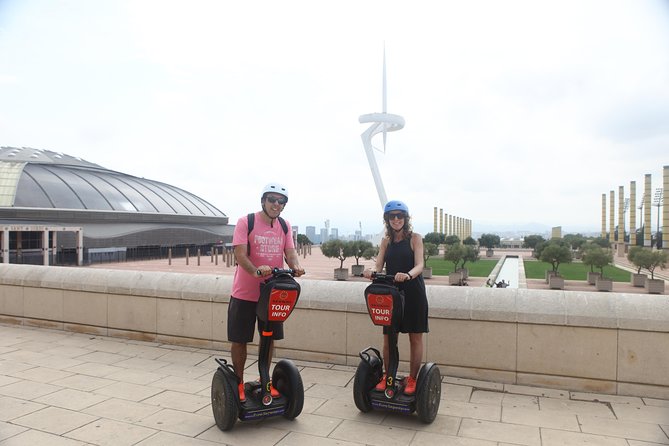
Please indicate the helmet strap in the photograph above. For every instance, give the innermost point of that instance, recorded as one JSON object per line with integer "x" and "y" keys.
{"x": 271, "y": 219}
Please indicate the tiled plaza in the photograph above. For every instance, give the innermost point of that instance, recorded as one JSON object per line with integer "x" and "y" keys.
{"x": 62, "y": 388}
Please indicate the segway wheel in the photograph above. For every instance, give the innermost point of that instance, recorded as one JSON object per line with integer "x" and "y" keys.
{"x": 428, "y": 395}
{"x": 367, "y": 376}
{"x": 223, "y": 401}
{"x": 287, "y": 380}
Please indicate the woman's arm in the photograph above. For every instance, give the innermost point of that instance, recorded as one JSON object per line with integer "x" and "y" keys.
{"x": 418, "y": 259}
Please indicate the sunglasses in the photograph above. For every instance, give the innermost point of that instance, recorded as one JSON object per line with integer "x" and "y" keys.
{"x": 398, "y": 216}
{"x": 274, "y": 200}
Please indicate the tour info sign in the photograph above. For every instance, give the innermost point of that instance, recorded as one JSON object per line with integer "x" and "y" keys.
{"x": 380, "y": 308}
{"x": 281, "y": 304}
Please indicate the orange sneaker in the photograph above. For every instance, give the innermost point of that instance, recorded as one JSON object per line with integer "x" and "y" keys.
{"x": 381, "y": 386}
{"x": 272, "y": 391}
{"x": 275, "y": 393}
{"x": 410, "y": 387}
{"x": 242, "y": 395}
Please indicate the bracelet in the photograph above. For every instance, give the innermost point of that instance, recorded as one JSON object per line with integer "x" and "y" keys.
{"x": 410, "y": 276}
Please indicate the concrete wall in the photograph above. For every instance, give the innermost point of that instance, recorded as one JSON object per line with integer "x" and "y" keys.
{"x": 586, "y": 341}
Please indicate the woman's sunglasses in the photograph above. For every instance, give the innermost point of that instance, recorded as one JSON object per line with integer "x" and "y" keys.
{"x": 397, "y": 215}
{"x": 274, "y": 200}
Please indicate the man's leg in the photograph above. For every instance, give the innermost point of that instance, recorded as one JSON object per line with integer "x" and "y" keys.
{"x": 238, "y": 353}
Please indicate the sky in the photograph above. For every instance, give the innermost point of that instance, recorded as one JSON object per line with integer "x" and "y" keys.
{"x": 518, "y": 114}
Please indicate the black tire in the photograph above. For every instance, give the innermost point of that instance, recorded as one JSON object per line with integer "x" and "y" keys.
{"x": 223, "y": 401}
{"x": 367, "y": 376}
{"x": 429, "y": 393}
{"x": 287, "y": 380}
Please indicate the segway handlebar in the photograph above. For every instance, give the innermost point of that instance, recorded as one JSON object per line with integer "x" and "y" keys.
{"x": 280, "y": 271}
{"x": 383, "y": 277}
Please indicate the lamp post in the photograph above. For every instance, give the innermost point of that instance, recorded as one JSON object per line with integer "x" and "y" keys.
{"x": 657, "y": 202}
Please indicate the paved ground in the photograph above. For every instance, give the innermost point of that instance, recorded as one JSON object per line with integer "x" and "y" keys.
{"x": 60, "y": 388}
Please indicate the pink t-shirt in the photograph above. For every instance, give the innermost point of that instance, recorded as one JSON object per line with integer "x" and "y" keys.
{"x": 268, "y": 245}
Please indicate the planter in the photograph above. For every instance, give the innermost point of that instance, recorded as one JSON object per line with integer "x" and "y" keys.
{"x": 341, "y": 273}
{"x": 489, "y": 252}
{"x": 604, "y": 284}
{"x": 550, "y": 273}
{"x": 638, "y": 280}
{"x": 654, "y": 286}
{"x": 556, "y": 282}
{"x": 357, "y": 270}
{"x": 593, "y": 276}
{"x": 455, "y": 278}
{"x": 427, "y": 272}
{"x": 464, "y": 272}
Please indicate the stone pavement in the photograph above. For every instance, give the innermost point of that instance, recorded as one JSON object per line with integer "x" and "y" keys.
{"x": 62, "y": 388}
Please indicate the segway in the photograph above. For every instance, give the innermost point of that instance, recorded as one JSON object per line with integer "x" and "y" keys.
{"x": 278, "y": 298}
{"x": 385, "y": 305}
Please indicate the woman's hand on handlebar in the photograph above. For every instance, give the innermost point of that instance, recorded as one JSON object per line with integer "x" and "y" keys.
{"x": 368, "y": 273}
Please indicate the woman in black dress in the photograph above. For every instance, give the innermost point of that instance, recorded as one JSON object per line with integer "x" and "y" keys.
{"x": 401, "y": 251}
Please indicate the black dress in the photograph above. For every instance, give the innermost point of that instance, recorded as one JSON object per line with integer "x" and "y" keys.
{"x": 400, "y": 258}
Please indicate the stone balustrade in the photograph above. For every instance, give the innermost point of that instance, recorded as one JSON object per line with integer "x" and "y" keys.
{"x": 583, "y": 341}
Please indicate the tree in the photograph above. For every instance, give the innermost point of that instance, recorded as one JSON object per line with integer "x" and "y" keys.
{"x": 359, "y": 248}
{"x": 429, "y": 249}
{"x": 575, "y": 240}
{"x": 603, "y": 242}
{"x": 434, "y": 237}
{"x": 337, "y": 249}
{"x": 555, "y": 253}
{"x": 469, "y": 241}
{"x": 531, "y": 241}
{"x": 303, "y": 240}
{"x": 470, "y": 254}
{"x": 489, "y": 241}
{"x": 638, "y": 256}
{"x": 451, "y": 240}
{"x": 454, "y": 253}
{"x": 652, "y": 261}
{"x": 597, "y": 257}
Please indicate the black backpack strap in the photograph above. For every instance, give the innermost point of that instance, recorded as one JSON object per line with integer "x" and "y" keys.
{"x": 283, "y": 225}
{"x": 251, "y": 222}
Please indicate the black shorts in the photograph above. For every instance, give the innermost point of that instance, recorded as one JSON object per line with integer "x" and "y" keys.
{"x": 242, "y": 321}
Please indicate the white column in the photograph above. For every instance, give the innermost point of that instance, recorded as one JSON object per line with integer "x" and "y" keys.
{"x": 45, "y": 247}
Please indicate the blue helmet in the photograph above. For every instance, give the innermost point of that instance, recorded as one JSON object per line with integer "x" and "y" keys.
{"x": 396, "y": 205}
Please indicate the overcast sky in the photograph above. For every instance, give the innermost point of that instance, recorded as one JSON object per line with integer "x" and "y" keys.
{"x": 516, "y": 112}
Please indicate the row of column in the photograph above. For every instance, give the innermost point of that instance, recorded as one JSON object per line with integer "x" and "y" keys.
{"x": 659, "y": 199}
{"x": 4, "y": 235}
{"x": 451, "y": 224}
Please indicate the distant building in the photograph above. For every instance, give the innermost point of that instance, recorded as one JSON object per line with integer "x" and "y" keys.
{"x": 324, "y": 235}
{"x": 334, "y": 233}
{"x": 311, "y": 233}
{"x": 556, "y": 232}
{"x": 58, "y": 209}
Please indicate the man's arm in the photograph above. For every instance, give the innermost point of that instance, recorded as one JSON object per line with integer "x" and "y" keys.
{"x": 243, "y": 260}
{"x": 293, "y": 261}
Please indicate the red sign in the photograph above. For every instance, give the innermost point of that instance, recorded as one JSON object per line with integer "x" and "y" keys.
{"x": 281, "y": 304}
{"x": 380, "y": 308}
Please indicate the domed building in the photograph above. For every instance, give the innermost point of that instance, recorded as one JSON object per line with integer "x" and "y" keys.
{"x": 69, "y": 210}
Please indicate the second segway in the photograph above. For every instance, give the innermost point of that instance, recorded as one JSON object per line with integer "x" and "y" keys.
{"x": 385, "y": 305}
{"x": 278, "y": 298}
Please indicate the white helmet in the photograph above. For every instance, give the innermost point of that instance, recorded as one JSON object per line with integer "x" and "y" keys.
{"x": 276, "y": 188}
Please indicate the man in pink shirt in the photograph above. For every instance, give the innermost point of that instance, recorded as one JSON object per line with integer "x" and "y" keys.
{"x": 257, "y": 252}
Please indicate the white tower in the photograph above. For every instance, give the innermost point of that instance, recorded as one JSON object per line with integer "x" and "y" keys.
{"x": 380, "y": 122}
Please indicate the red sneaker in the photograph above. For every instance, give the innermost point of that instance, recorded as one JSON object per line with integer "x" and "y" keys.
{"x": 381, "y": 386}
{"x": 410, "y": 387}
{"x": 242, "y": 395}
{"x": 275, "y": 393}
{"x": 272, "y": 391}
